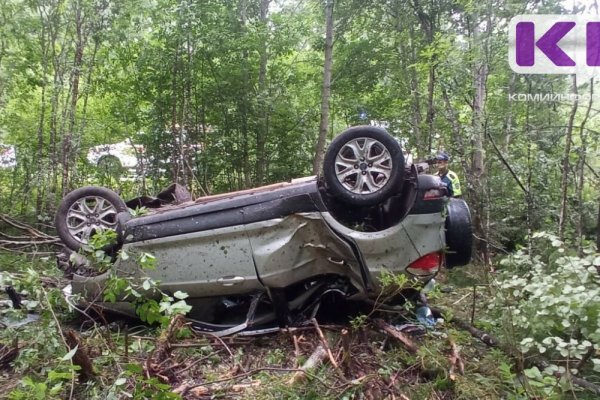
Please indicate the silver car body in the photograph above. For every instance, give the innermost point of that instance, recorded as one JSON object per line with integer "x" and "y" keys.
{"x": 197, "y": 254}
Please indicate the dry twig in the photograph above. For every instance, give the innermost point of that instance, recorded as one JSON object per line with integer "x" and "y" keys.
{"x": 325, "y": 344}
{"x": 81, "y": 356}
{"x": 297, "y": 347}
{"x": 396, "y": 334}
{"x": 345, "y": 337}
{"x": 9, "y": 352}
{"x": 162, "y": 352}
{"x": 31, "y": 237}
{"x": 455, "y": 360}
{"x": 194, "y": 363}
{"x": 205, "y": 390}
{"x": 479, "y": 334}
{"x": 313, "y": 361}
{"x": 208, "y": 334}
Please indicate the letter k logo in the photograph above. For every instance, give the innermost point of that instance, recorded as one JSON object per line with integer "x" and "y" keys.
{"x": 548, "y": 44}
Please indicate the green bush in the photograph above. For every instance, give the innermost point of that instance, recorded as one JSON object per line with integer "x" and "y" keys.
{"x": 549, "y": 304}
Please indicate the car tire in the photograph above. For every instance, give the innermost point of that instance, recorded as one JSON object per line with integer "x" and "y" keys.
{"x": 85, "y": 211}
{"x": 352, "y": 178}
{"x": 459, "y": 233}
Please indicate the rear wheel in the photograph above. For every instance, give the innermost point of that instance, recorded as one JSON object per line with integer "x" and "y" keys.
{"x": 86, "y": 211}
{"x": 363, "y": 166}
{"x": 459, "y": 233}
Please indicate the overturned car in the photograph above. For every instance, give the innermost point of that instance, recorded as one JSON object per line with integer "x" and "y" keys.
{"x": 270, "y": 255}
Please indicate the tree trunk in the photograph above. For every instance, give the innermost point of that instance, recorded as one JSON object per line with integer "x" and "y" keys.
{"x": 189, "y": 119}
{"x": 509, "y": 116}
{"x": 530, "y": 204}
{"x": 246, "y": 179}
{"x": 88, "y": 84}
{"x": 581, "y": 168}
{"x": 531, "y": 199}
{"x": 41, "y": 162}
{"x": 457, "y": 136}
{"x": 415, "y": 96}
{"x": 598, "y": 227}
{"x": 478, "y": 155}
{"x": 326, "y": 92}
{"x": 430, "y": 108}
{"x": 263, "y": 130}
{"x": 175, "y": 127}
{"x": 67, "y": 144}
{"x": 564, "y": 182}
{"x": 57, "y": 50}
{"x": 427, "y": 21}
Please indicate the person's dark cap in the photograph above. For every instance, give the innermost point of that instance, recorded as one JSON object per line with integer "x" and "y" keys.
{"x": 442, "y": 156}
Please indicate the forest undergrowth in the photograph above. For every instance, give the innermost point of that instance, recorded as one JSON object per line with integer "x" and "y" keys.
{"x": 527, "y": 330}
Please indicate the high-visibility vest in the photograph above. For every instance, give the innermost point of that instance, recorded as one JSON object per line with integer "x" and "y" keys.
{"x": 453, "y": 183}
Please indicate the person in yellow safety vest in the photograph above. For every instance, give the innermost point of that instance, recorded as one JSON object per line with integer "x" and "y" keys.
{"x": 448, "y": 177}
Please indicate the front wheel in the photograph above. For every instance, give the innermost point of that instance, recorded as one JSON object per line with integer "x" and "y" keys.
{"x": 85, "y": 211}
{"x": 364, "y": 166}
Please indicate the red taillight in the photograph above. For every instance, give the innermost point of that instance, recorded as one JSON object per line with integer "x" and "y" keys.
{"x": 426, "y": 265}
{"x": 433, "y": 194}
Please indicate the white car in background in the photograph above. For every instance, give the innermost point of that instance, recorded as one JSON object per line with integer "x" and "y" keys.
{"x": 123, "y": 154}
{"x": 8, "y": 156}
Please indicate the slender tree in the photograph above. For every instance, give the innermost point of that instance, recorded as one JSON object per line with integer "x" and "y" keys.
{"x": 564, "y": 182}
{"x": 326, "y": 89}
